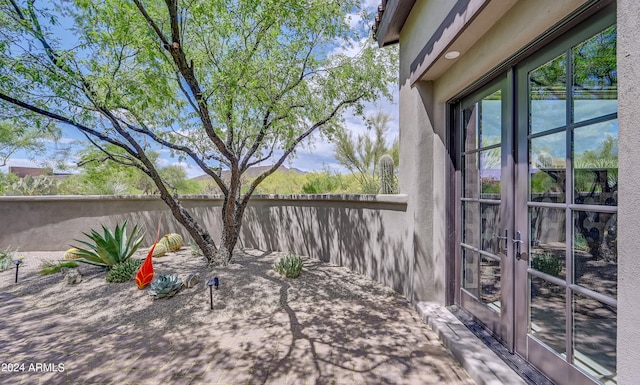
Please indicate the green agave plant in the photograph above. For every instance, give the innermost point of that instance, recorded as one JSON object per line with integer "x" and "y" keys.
{"x": 109, "y": 248}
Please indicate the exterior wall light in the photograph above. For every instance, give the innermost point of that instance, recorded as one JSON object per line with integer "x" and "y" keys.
{"x": 451, "y": 55}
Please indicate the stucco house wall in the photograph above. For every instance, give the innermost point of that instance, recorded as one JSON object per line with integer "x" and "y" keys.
{"x": 628, "y": 56}
{"x": 501, "y": 31}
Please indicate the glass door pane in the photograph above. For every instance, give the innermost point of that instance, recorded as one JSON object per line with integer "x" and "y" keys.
{"x": 484, "y": 131}
{"x": 565, "y": 206}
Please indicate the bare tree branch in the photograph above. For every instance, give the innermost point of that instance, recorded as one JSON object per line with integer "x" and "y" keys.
{"x": 293, "y": 145}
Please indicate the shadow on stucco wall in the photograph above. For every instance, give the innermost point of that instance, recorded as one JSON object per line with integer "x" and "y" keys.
{"x": 366, "y": 234}
{"x": 368, "y": 238}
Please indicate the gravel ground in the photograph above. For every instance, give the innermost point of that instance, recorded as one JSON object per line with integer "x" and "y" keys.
{"x": 249, "y": 288}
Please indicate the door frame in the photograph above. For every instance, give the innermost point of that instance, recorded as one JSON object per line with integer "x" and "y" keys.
{"x": 502, "y": 324}
{"x": 554, "y": 366}
{"x": 575, "y": 29}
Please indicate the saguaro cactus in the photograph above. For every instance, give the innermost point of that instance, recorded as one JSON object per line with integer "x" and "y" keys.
{"x": 387, "y": 178}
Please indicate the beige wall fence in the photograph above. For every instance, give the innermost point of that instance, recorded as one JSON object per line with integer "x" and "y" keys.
{"x": 366, "y": 233}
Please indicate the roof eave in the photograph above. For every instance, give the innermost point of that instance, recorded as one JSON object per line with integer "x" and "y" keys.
{"x": 392, "y": 15}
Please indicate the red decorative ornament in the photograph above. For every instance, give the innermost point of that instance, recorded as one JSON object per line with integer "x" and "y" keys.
{"x": 144, "y": 276}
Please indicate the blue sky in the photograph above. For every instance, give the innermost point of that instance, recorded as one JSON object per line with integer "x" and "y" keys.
{"x": 314, "y": 154}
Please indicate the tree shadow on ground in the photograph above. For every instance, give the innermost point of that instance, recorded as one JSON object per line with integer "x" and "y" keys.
{"x": 329, "y": 325}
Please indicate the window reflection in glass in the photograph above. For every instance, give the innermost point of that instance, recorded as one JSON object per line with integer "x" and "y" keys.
{"x": 548, "y": 95}
{"x": 547, "y": 165}
{"x": 491, "y": 226}
{"x": 594, "y": 338}
{"x": 595, "y": 164}
{"x": 470, "y": 272}
{"x": 547, "y": 241}
{"x": 491, "y": 119}
{"x": 490, "y": 173}
{"x": 490, "y": 282}
{"x": 595, "y": 251}
{"x": 470, "y": 170}
{"x": 471, "y": 223}
{"x": 470, "y": 128}
{"x": 595, "y": 76}
{"x": 548, "y": 313}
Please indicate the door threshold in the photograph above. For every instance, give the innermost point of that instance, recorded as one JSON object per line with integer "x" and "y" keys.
{"x": 527, "y": 372}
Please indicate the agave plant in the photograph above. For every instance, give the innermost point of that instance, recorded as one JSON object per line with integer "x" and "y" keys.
{"x": 109, "y": 248}
{"x": 165, "y": 286}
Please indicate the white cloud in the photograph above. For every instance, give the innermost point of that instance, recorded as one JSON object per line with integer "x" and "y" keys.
{"x": 353, "y": 19}
{"x": 370, "y": 4}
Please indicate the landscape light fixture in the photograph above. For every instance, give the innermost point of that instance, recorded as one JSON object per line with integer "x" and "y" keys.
{"x": 216, "y": 282}
{"x": 17, "y": 262}
{"x": 210, "y": 283}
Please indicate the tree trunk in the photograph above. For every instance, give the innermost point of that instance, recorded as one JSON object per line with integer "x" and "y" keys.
{"x": 230, "y": 235}
{"x": 199, "y": 234}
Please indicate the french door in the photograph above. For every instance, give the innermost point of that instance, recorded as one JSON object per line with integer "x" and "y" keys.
{"x": 538, "y": 205}
{"x": 486, "y": 277}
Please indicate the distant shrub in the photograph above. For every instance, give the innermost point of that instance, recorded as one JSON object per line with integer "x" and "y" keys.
{"x": 290, "y": 265}
{"x": 29, "y": 186}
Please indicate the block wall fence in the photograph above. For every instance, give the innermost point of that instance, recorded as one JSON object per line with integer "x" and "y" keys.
{"x": 365, "y": 233}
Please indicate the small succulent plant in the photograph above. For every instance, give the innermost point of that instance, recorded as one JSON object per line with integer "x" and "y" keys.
{"x": 165, "y": 286}
{"x": 6, "y": 260}
{"x": 124, "y": 271}
{"x": 290, "y": 265}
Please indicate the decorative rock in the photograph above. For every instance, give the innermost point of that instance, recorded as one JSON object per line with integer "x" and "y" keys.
{"x": 72, "y": 277}
{"x": 192, "y": 280}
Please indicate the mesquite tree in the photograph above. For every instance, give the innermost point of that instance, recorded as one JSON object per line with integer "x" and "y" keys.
{"x": 222, "y": 83}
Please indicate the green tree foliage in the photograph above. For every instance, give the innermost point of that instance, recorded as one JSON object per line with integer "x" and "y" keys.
{"x": 16, "y": 134}
{"x": 328, "y": 182}
{"x": 282, "y": 182}
{"x": 224, "y": 83}
{"x": 361, "y": 155}
{"x": 100, "y": 175}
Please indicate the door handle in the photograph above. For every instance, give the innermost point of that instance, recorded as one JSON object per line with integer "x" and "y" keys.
{"x": 505, "y": 239}
{"x": 518, "y": 241}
